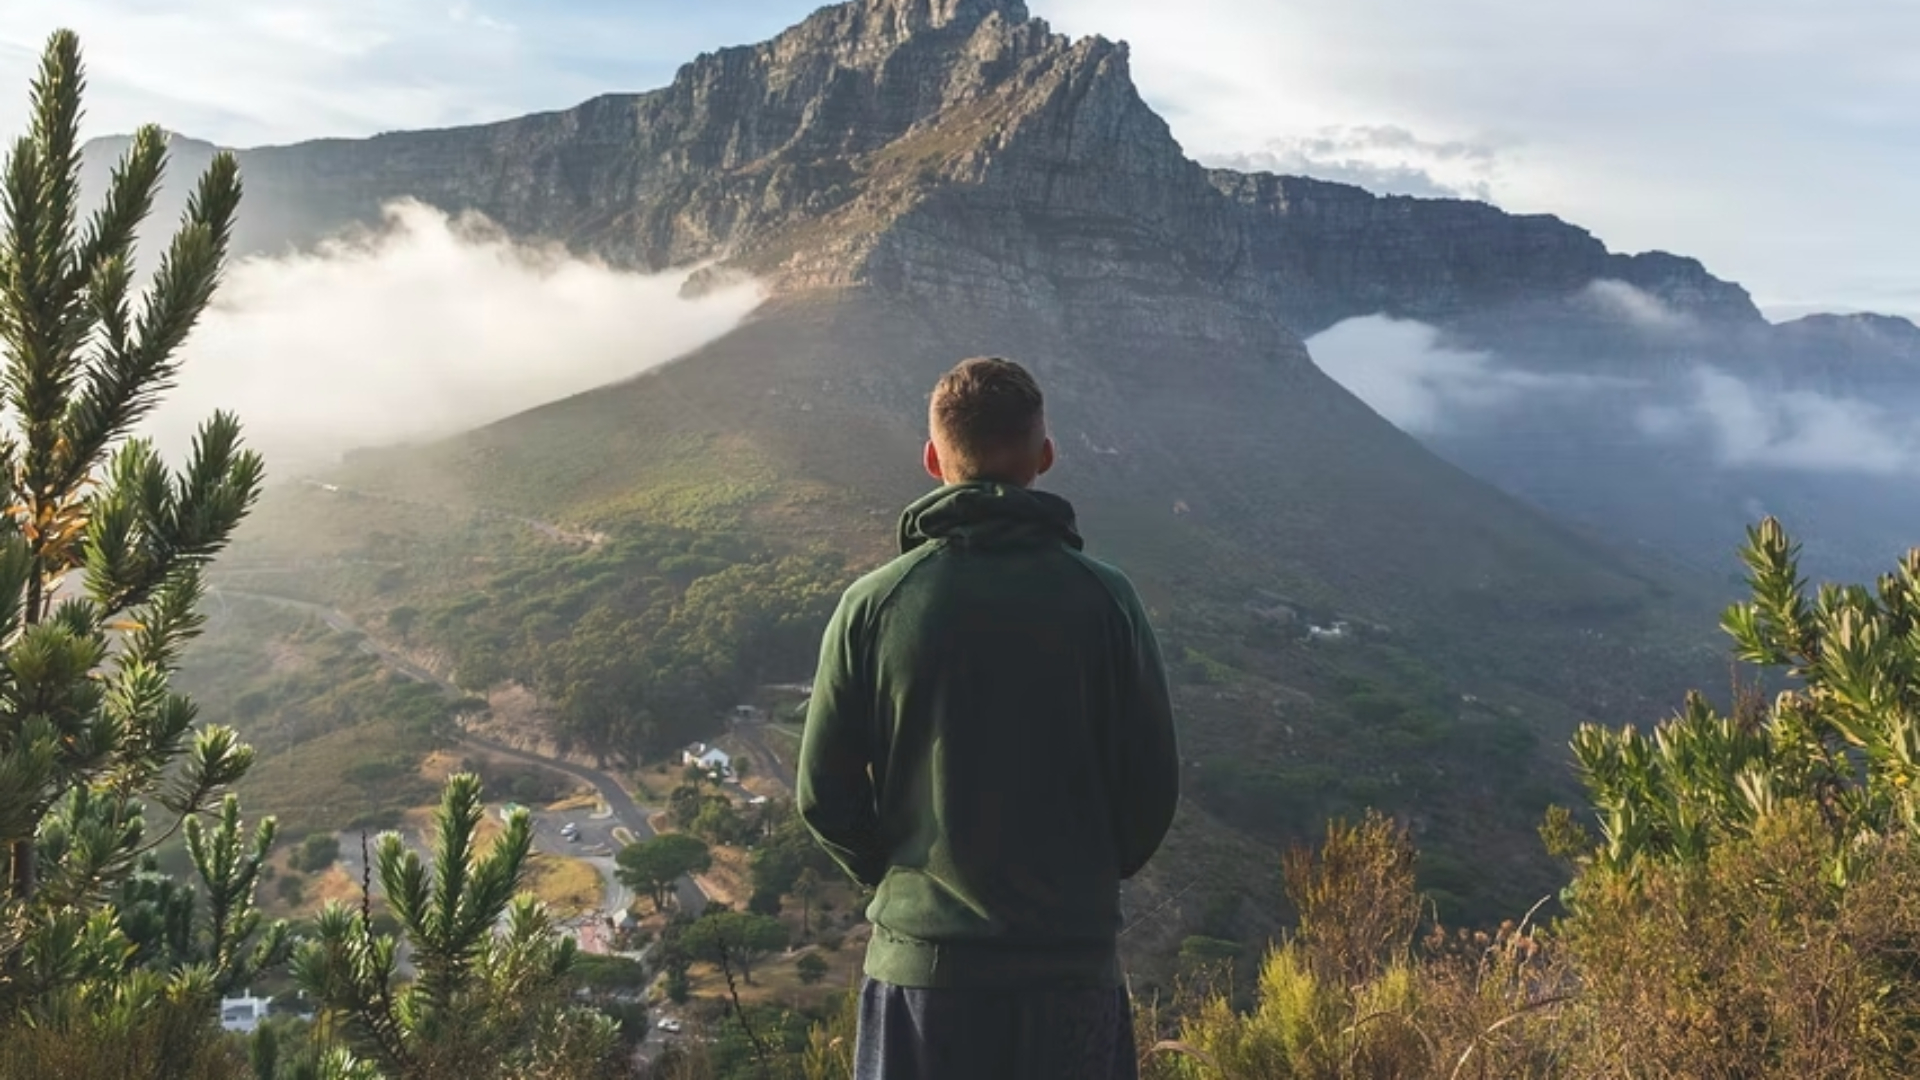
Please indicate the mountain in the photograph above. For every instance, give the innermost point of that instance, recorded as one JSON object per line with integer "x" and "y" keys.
{"x": 1352, "y": 620}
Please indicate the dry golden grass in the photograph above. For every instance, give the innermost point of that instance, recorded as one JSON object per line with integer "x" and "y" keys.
{"x": 776, "y": 980}
{"x": 568, "y": 886}
{"x": 584, "y": 801}
{"x": 439, "y": 765}
{"x": 730, "y": 881}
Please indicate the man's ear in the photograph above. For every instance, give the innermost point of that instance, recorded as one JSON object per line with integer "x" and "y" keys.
{"x": 1046, "y": 457}
{"x": 931, "y": 459}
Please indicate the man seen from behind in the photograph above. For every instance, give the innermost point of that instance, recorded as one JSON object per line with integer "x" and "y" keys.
{"x": 990, "y": 746}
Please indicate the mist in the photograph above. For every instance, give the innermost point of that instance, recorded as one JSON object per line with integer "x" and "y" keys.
{"x": 423, "y": 328}
{"x": 1799, "y": 430}
{"x": 1408, "y": 374}
{"x": 1403, "y": 371}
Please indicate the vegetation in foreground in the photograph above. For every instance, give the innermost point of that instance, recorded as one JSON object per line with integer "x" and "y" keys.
{"x": 1746, "y": 907}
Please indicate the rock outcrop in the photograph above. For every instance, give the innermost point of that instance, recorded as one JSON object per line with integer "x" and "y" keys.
{"x": 956, "y": 149}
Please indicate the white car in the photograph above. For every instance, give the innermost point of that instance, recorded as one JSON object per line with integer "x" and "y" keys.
{"x": 670, "y": 1026}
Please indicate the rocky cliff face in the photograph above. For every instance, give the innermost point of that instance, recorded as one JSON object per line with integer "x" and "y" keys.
{"x": 852, "y": 148}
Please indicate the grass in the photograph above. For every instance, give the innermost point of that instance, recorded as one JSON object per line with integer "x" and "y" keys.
{"x": 568, "y": 886}
{"x": 776, "y": 980}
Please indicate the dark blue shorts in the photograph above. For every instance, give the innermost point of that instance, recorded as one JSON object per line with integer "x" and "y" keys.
{"x": 1065, "y": 1034}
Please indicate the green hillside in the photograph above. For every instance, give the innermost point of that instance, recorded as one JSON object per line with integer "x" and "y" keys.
{"x": 643, "y": 555}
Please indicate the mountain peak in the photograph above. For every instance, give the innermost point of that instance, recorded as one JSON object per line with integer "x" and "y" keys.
{"x": 911, "y": 15}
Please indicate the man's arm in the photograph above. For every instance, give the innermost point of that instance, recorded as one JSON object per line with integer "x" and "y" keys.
{"x": 1147, "y": 788}
{"x": 835, "y": 793}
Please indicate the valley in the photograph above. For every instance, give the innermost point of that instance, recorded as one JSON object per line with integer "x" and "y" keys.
{"x": 601, "y": 577}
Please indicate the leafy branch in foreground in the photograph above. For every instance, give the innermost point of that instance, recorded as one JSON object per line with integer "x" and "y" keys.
{"x": 101, "y": 552}
{"x": 1845, "y": 740}
{"x": 490, "y": 996}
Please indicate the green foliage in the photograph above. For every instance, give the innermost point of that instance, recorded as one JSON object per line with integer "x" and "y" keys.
{"x": 1753, "y": 962}
{"x": 1846, "y": 739}
{"x": 1350, "y": 994}
{"x": 734, "y": 940}
{"x": 653, "y": 866}
{"x": 315, "y": 853}
{"x": 161, "y": 917}
{"x": 608, "y": 974}
{"x": 101, "y": 553}
{"x": 719, "y": 822}
{"x": 485, "y": 1003}
{"x": 684, "y": 804}
{"x": 811, "y": 968}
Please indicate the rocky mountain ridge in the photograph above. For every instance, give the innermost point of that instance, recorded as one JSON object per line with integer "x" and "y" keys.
{"x": 835, "y": 154}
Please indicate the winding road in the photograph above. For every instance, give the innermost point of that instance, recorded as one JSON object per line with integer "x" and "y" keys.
{"x": 691, "y": 899}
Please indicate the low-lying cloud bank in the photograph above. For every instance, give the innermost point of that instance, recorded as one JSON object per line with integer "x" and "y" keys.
{"x": 1792, "y": 429}
{"x": 1404, "y": 371}
{"x": 426, "y": 327}
{"x": 1401, "y": 369}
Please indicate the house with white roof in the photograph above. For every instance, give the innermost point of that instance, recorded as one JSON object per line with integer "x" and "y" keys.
{"x": 707, "y": 757}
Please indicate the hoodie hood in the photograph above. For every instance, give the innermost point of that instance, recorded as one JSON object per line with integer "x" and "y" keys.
{"x": 987, "y": 515}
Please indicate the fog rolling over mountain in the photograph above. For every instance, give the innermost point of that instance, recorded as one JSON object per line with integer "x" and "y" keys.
{"x": 1352, "y": 620}
{"x": 419, "y": 328}
{"x": 1663, "y": 426}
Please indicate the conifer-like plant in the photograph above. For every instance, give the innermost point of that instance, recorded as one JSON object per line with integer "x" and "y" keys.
{"x": 490, "y": 996}
{"x": 101, "y": 553}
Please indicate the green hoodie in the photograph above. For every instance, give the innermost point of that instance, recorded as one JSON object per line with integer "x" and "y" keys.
{"x": 990, "y": 746}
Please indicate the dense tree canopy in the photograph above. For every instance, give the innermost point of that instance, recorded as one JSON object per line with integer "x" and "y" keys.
{"x": 652, "y": 866}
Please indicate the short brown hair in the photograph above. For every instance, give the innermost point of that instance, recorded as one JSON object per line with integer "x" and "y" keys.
{"x": 987, "y": 416}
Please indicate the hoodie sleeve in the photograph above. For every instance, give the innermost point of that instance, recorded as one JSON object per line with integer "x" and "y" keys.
{"x": 1147, "y": 755}
{"x": 835, "y": 794}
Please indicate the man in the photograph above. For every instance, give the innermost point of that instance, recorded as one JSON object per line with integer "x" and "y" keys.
{"x": 991, "y": 748}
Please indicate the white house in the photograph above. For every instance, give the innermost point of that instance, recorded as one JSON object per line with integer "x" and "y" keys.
{"x": 243, "y": 1014}
{"x": 707, "y": 757}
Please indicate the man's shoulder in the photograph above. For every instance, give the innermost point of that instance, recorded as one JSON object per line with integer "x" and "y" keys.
{"x": 1118, "y": 585}
{"x": 873, "y": 588}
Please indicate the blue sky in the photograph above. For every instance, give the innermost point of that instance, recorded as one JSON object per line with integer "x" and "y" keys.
{"x": 1778, "y": 140}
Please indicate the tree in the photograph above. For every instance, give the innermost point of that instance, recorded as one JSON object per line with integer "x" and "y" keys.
{"x": 806, "y": 889}
{"x": 741, "y": 766}
{"x": 811, "y": 968}
{"x": 161, "y": 917}
{"x": 734, "y": 940}
{"x": 684, "y": 804}
{"x": 718, "y": 821}
{"x": 100, "y": 762}
{"x": 695, "y": 775}
{"x": 486, "y": 1003}
{"x": 315, "y": 853}
{"x": 653, "y": 866}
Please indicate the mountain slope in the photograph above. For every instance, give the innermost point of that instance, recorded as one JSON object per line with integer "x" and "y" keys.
{"x": 921, "y": 180}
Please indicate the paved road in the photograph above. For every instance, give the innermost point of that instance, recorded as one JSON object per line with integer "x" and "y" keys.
{"x": 625, "y": 810}
{"x": 630, "y": 814}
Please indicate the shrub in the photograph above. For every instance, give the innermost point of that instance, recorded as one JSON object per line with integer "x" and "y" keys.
{"x": 812, "y": 968}
{"x": 315, "y": 853}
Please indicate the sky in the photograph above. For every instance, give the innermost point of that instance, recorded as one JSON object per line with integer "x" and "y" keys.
{"x": 1776, "y": 140}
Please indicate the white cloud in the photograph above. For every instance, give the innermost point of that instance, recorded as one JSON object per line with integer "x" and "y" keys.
{"x": 1794, "y": 429}
{"x": 246, "y": 72}
{"x": 1723, "y": 129}
{"x": 422, "y": 329}
{"x": 1385, "y": 160}
{"x": 1641, "y": 308}
{"x": 1400, "y": 369}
